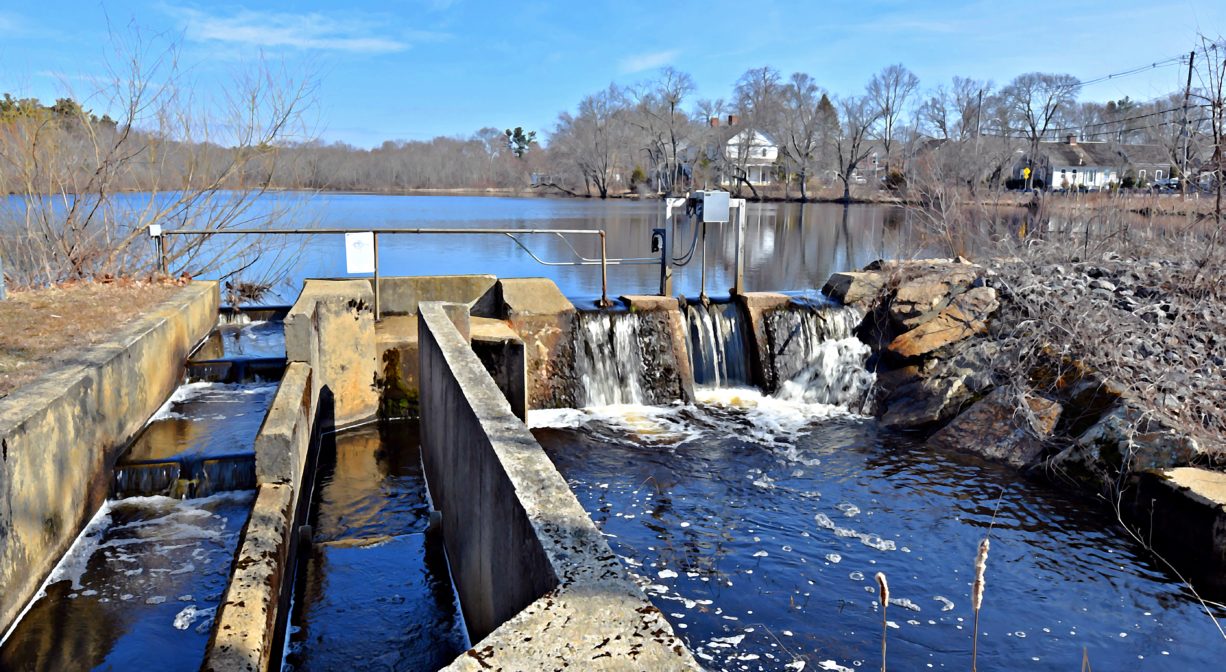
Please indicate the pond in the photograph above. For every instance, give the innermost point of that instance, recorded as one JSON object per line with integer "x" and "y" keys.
{"x": 787, "y": 246}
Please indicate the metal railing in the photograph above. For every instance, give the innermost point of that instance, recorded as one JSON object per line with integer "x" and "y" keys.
{"x": 604, "y": 261}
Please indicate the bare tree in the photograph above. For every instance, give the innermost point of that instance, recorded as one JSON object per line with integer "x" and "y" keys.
{"x": 804, "y": 126}
{"x": 1034, "y": 101}
{"x": 757, "y": 103}
{"x": 593, "y": 141}
{"x": 1212, "y": 96}
{"x": 194, "y": 163}
{"x": 955, "y": 113}
{"x": 858, "y": 115}
{"x": 658, "y": 115}
{"x": 888, "y": 92}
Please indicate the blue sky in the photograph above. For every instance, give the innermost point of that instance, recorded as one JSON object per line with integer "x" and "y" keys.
{"x": 413, "y": 69}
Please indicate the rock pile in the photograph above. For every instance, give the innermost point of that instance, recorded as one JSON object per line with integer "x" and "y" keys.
{"x": 1088, "y": 369}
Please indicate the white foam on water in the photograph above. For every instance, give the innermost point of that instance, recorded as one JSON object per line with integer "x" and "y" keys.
{"x": 629, "y": 424}
{"x": 194, "y": 391}
{"x": 773, "y": 420}
{"x": 557, "y": 418}
{"x": 190, "y": 614}
{"x": 160, "y": 532}
{"x": 905, "y": 603}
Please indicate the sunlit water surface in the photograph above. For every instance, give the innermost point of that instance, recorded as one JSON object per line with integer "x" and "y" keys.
{"x": 757, "y": 526}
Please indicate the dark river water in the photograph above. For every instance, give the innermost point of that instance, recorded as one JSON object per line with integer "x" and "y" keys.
{"x": 373, "y": 590}
{"x": 757, "y": 526}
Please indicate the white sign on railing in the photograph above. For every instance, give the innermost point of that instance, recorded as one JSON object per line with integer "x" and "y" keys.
{"x": 360, "y": 252}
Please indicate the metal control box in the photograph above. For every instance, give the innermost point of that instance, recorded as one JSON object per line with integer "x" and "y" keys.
{"x": 715, "y": 206}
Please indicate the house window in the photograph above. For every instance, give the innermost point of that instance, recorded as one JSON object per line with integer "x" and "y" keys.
{"x": 1141, "y": 174}
{"x": 1157, "y": 174}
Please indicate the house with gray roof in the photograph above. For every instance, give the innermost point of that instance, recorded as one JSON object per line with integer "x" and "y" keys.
{"x": 1094, "y": 165}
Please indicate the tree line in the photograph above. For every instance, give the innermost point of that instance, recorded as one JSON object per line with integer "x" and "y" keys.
{"x": 204, "y": 163}
{"x": 656, "y": 137}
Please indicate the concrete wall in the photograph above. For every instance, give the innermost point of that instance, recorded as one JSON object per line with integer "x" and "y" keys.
{"x": 246, "y": 620}
{"x": 401, "y": 295}
{"x": 1182, "y": 513}
{"x": 545, "y": 320}
{"x": 282, "y": 445}
{"x": 754, "y": 307}
{"x": 60, "y": 437}
{"x": 250, "y": 618}
{"x": 662, "y": 338}
{"x": 332, "y": 328}
{"x": 539, "y": 587}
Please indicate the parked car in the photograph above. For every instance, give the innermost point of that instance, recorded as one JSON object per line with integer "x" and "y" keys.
{"x": 1169, "y": 184}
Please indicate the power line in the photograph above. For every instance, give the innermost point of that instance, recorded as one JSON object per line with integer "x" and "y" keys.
{"x": 1174, "y": 60}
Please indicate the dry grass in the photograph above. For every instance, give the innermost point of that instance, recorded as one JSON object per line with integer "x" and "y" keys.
{"x": 38, "y": 326}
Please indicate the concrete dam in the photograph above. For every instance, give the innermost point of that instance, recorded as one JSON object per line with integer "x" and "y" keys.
{"x": 491, "y": 476}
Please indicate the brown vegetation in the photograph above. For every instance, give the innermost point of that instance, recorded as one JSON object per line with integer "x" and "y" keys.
{"x": 42, "y": 328}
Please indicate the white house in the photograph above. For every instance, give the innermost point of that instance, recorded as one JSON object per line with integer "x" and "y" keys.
{"x": 1092, "y": 166}
{"x": 756, "y": 151}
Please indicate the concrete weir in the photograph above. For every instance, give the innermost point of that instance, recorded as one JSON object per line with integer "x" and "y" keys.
{"x": 60, "y": 437}
{"x": 537, "y": 583}
{"x": 539, "y": 586}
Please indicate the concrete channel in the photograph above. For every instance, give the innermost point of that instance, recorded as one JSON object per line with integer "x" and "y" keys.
{"x": 536, "y": 582}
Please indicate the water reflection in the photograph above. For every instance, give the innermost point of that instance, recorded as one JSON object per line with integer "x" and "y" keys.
{"x": 373, "y": 591}
{"x": 788, "y": 245}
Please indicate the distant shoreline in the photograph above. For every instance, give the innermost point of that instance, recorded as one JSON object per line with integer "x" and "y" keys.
{"x": 1139, "y": 203}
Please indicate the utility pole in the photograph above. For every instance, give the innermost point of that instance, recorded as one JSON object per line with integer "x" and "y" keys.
{"x": 1186, "y": 132}
{"x": 978, "y": 113}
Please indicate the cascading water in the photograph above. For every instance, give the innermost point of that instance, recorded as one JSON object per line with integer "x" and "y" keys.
{"x": 609, "y": 359}
{"x": 143, "y": 581}
{"x": 717, "y": 345}
{"x": 816, "y": 356}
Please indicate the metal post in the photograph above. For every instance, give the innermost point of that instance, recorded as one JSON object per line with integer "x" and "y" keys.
{"x": 702, "y": 281}
{"x": 375, "y": 236}
{"x": 739, "y": 279}
{"x": 604, "y": 274}
{"x": 162, "y": 262}
{"x": 666, "y": 249}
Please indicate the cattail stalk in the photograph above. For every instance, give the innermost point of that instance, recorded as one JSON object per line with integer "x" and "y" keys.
{"x": 981, "y": 565}
{"x": 883, "y": 590}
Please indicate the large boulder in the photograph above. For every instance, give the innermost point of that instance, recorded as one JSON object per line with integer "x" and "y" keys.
{"x": 922, "y": 396}
{"x": 1002, "y": 427}
{"x": 965, "y": 316}
{"x": 855, "y": 288}
{"x": 920, "y": 297}
{"x": 1127, "y": 439}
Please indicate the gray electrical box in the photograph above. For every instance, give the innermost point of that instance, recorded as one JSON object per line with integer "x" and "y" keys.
{"x": 715, "y": 206}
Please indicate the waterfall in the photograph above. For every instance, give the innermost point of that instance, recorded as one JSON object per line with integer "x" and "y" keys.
{"x": 816, "y": 356}
{"x": 717, "y": 345}
{"x": 608, "y": 359}
{"x": 226, "y": 474}
{"x": 155, "y": 478}
{"x": 184, "y": 478}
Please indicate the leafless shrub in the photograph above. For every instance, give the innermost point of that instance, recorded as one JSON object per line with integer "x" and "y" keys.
{"x": 87, "y": 188}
